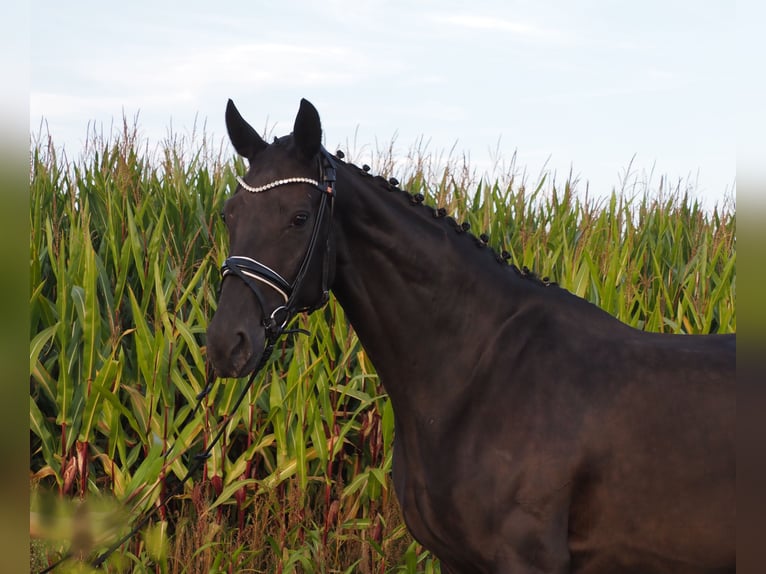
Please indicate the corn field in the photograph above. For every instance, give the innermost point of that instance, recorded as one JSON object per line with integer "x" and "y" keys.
{"x": 126, "y": 245}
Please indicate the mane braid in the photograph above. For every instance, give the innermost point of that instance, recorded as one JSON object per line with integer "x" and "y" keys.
{"x": 417, "y": 200}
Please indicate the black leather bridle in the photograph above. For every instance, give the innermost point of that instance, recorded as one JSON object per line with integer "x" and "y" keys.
{"x": 255, "y": 274}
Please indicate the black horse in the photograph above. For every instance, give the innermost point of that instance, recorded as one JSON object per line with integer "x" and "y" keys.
{"x": 534, "y": 432}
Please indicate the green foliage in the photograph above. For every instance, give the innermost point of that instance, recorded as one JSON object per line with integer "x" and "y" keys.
{"x": 125, "y": 252}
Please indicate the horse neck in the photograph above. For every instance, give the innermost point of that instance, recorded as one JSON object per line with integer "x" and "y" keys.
{"x": 423, "y": 298}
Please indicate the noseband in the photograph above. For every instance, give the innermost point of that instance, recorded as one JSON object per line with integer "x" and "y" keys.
{"x": 253, "y": 272}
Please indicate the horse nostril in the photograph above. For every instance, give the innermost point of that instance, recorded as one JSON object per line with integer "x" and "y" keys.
{"x": 229, "y": 352}
{"x": 242, "y": 343}
{"x": 241, "y": 349}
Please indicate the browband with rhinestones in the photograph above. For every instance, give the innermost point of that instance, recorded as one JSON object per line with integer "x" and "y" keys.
{"x": 277, "y": 183}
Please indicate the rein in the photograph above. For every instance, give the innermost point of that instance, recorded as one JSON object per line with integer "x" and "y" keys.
{"x": 249, "y": 270}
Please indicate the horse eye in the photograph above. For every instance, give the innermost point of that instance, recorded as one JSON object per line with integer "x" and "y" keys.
{"x": 300, "y": 219}
{"x": 223, "y": 216}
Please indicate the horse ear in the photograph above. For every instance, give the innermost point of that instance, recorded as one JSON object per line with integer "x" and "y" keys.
{"x": 243, "y": 137}
{"x": 307, "y": 131}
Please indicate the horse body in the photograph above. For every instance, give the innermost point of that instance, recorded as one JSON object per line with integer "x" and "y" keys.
{"x": 533, "y": 431}
{"x": 529, "y": 423}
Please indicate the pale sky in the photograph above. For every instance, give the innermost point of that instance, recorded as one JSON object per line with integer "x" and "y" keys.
{"x": 587, "y": 84}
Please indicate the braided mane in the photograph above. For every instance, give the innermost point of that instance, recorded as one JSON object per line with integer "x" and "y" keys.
{"x": 391, "y": 185}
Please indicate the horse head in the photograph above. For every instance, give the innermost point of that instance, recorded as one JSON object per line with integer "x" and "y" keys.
{"x": 281, "y": 251}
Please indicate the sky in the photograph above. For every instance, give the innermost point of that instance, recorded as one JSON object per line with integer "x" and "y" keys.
{"x": 601, "y": 88}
